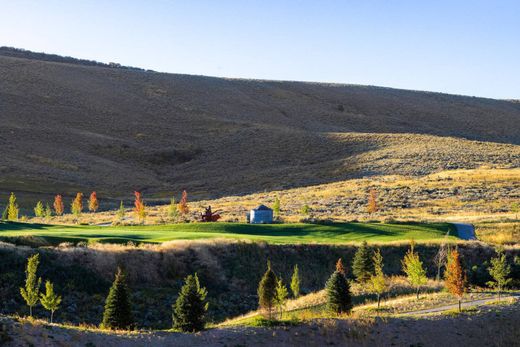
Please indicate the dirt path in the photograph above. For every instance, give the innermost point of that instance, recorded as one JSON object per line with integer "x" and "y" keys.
{"x": 478, "y": 302}
{"x": 465, "y": 231}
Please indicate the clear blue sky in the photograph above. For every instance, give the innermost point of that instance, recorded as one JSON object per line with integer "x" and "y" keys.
{"x": 462, "y": 47}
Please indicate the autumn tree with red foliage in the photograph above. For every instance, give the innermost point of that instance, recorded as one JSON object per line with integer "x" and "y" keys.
{"x": 58, "y": 205}
{"x": 140, "y": 208}
{"x": 455, "y": 279}
{"x": 93, "y": 203}
{"x": 183, "y": 204}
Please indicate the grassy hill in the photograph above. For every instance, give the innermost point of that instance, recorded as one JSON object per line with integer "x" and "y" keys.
{"x": 275, "y": 233}
{"x": 68, "y": 125}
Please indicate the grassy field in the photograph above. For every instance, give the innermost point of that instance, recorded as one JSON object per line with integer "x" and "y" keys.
{"x": 275, "y": 233}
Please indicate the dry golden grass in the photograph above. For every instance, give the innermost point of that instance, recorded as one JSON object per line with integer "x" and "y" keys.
{"x": 475, "y": 196}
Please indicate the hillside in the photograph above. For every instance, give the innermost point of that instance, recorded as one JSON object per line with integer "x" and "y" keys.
{"x": 68, "y": 126}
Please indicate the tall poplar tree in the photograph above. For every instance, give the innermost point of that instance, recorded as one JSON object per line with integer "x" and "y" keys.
{"x": 267, "y": 291}
{"x": 31, "y": 291}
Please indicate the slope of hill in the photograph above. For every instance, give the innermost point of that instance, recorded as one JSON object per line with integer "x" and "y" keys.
{"x": 68, "y": 126}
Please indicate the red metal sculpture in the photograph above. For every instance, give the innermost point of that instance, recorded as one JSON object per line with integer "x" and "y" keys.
{"x": 209, "y": 216}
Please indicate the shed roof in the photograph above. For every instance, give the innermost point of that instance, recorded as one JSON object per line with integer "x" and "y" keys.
{"x": 262, "y": 208}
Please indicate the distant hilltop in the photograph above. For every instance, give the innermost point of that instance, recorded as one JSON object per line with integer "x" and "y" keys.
{"x": 23, "y": 53}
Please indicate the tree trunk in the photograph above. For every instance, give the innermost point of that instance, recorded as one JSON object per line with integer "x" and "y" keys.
{"x": 378, "y": 301}
{"x": 417, "y": 293}
{"x": 30, "y": 311}
{"x": 460, "y": 309}
{"x": 52, "y": 314}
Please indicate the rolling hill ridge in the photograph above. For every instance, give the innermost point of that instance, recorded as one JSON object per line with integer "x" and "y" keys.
{"x": 69, "y": 125}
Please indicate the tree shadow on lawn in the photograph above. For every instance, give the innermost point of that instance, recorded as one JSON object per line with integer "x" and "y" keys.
{"x": 326, "y": 231}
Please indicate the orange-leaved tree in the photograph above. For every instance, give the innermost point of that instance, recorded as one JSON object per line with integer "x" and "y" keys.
{"x": 93, "y": 203}
{"x": 139, "y": 207}
{"x": 455, "y": 279}
{"x": 340, "y": 267}
{"x": 183, "y": 204}
{"x": 372, "y": 201}
{"x": 58, "y": 205}
{"x": 77, "y": 205}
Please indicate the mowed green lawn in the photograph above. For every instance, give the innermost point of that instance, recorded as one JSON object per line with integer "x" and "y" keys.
{"x": 274, "y": 233}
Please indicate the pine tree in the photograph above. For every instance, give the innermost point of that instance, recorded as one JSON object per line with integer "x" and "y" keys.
{"x": 455, "y": 280}
{"x": 267, "y": 291}
{"x": 280, "y": 298}
{"x": 295, "y": 282}
{"x": 121, "y": 212}
{"x": 183, "y": 204}
{"x": 499, "y": 271}
{"x": 58, "y": 205}
{"x": 39, "y": 210}
{"x": 372, "y": 202}
{"x": 413, "y": 268}
{"x": 276, "y": 207}
{"x": 363, "y": 266}
{"x": 12, "y": 208}
{"x": 31, "y": 292}
{"x": 50, "y": 300}
{"x": 77, "y": 205}
{"x": 189, "y": 310}
{"x": 173, "y": 210}
{"x": 93, "y": 203}
{"x": 337, "y": 289}
{"x": 139, "y": 207}
{"x": 378, "y": 280}
{"x": 118, "y": 312}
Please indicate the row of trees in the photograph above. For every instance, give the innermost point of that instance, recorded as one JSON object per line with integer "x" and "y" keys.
{"x": 190, "y": 309}
{"x": 12, "y": 210}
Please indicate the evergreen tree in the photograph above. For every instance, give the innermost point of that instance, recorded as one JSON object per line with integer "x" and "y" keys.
{"x": 363, "y": 266}
{"x": 280, "y": 298}
{"x": 276, "y": 207}
{"x": 50, "y": 300}
{"x": 499, "y": 271}
{"x": 93, "y": 203}
{"x": 337, "y": 289}
{"x": 189, "y": 310}
{"x": 12, "y": 208}
{"x": 455, "y": 279}
{"x": 413, "y": 268}
{"x": 58, "y": 205}
{"x": 378, "y": 280}
{"x": 295, "y": 282}
{"x": 267, "y": 291}
{"x": 39, "y": 210}
{"x": 118, "y": 312}
{"x": 173, "y": 210}
{"x": 31, "y": 292}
